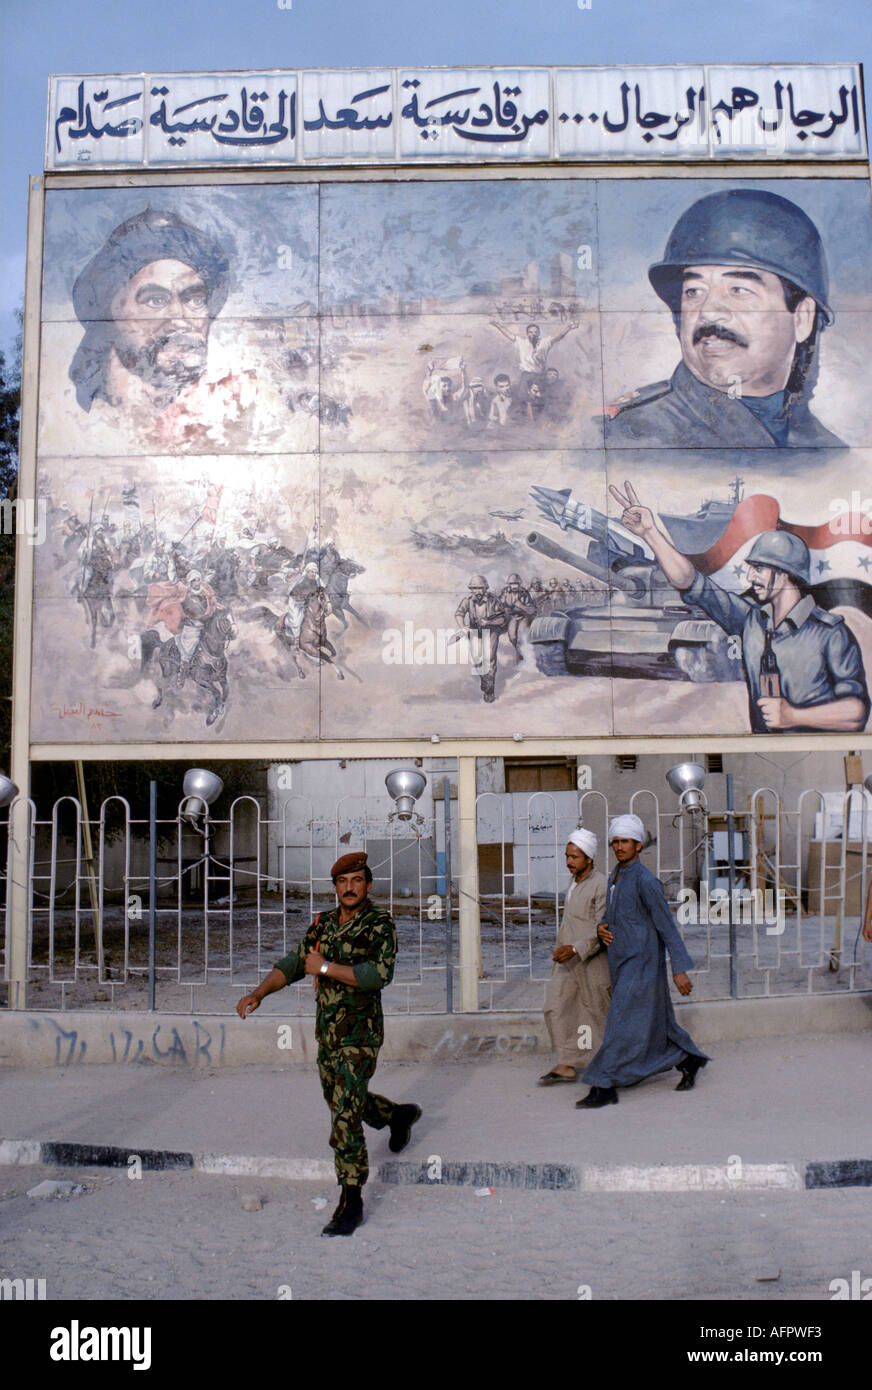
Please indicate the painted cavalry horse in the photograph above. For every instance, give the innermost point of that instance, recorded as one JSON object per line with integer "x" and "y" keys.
{"x": 337, "y": 591}
{"x": 208, "y": 665}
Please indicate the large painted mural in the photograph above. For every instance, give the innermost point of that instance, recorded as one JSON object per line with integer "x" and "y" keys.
{"x": 559, "y": 457}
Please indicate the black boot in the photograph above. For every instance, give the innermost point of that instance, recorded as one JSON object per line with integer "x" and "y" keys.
{"x": 328, "y": 1229}
{"x": 348, "y": 1215}
{"x": 597, "y": 1096}
{"x": 689, "y": 1068}
{"x": 401, "y": 1122}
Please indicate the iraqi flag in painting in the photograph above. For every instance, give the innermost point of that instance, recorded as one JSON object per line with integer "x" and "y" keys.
{"x": 840, "y": 550}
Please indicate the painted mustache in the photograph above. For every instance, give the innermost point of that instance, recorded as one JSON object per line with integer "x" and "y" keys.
{"x": 717, "y": 330}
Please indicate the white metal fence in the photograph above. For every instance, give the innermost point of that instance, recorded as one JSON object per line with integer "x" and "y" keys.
{"x": 234, "y": 895}
{"x": 791, "y": 923}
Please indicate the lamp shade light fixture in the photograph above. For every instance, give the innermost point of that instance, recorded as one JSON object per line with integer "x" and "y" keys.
{"x": 687, "y": 780}
{"x": 201, "y": 788}
{"x": 8, "y": 790}
{"x": 404, "y": 786}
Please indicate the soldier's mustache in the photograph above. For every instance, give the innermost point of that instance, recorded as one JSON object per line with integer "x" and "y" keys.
{"x": 717, "y": 330}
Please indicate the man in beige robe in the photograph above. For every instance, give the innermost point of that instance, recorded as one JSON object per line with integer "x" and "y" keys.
{"x": 578, "y": 994}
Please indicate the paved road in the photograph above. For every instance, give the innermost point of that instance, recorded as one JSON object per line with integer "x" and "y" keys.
{"x": 185, "y": 1235}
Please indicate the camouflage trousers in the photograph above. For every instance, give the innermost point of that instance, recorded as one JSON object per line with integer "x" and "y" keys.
{"x": 345, "y": 1072}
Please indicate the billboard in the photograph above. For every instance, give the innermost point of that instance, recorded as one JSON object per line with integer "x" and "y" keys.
{"x": 568, "y": 457}
{"x": 806, "y": 112}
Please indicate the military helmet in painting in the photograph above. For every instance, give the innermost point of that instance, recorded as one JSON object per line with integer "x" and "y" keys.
{"x": 746, "y": 227}
{"x": 781, "y": 550}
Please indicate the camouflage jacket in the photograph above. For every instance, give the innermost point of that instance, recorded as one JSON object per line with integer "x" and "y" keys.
{"x": 349, "y": 1016}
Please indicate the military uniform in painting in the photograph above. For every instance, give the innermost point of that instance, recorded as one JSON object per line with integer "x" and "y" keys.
{"x": 641, "y": 1035}
{"x": 745, "y": 276}
{"x": 685, "y": 413}
{"x": 579, "y": 990}
{"x": 817, "y": 655}
{"x": 483, "y": 617}
{"x": 349, "y": 1026}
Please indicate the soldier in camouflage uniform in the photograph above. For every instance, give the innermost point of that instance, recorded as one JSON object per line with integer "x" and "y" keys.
{"x": 351, "y": 952}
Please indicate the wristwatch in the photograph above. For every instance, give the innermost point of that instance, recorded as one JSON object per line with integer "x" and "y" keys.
{"x": 323, "y": 970}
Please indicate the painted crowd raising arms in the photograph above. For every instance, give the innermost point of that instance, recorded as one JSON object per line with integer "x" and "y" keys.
{"x": 565, "y": 457}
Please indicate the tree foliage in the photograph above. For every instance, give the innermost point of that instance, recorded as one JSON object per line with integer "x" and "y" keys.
{"x": 10, "y": 411}
{"x": 10, "y": 416}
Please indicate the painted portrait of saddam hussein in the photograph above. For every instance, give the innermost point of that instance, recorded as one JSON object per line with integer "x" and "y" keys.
{"x": 746, "y": 279}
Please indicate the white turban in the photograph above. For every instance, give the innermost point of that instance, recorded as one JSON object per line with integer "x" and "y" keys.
{"x": 627, "y": 828}
{"x": 585, "y": 840}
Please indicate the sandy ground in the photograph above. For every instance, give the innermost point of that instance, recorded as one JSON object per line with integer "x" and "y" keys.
{"x": 186, "y": 1236}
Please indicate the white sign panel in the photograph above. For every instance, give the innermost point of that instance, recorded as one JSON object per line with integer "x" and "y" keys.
{"x": 96, "y": 120}
{"x": 792, "y": 111}
{"x": 645, "y": 112}
{"x": 472, "y": 116}
{"x": 482, "y": 114}
{"x": 237, "y": 117}
{"x": 348, "y": 115}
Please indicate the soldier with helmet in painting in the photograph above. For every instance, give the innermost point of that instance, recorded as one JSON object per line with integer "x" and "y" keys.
{"x": 520, "y": 608}
{"x": 803, "y": 664}
{"x": 745, "y": 277}
{"x": 482, "y": 618}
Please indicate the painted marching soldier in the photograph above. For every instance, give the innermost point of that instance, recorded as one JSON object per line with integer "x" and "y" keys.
{"x": 519, "y": 605}
{"x": 483, "y": 618}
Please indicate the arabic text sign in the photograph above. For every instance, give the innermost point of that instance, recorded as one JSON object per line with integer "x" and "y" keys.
{"x": 400, "y": 115}
{"x": 494, "y": 112}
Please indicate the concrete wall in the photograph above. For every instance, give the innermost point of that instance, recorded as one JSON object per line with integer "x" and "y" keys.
{"x": 323, "y": 809}
{"x": 788, "y": 775}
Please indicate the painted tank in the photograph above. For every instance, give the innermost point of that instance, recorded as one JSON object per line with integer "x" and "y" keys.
{"x": 637, "y": 625}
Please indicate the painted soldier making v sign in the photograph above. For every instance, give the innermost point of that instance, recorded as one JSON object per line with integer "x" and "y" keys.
{"x": 803, "y": 664}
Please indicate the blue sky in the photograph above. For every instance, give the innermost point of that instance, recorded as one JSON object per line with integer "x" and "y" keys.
{"x": 105, "y": 36}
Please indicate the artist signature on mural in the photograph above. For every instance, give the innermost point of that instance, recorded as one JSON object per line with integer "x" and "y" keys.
{"x": 92, "y": 714}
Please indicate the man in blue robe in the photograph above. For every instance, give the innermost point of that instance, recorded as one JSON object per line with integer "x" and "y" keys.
{"x": 641, "y": 1036}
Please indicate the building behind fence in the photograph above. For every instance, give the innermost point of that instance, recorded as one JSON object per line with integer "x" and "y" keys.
{"x": 236, "y": 892}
